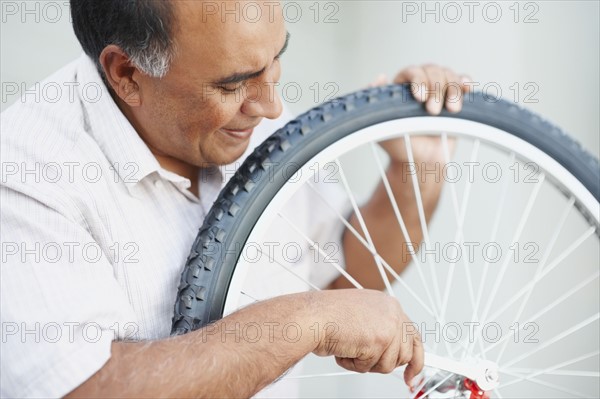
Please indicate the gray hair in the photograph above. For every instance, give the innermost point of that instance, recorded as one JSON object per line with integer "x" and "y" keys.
{"x": 150, "y": 56}
{"x": 143, "y": 29}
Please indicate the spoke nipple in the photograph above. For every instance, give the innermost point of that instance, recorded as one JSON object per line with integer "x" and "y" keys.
{"x": 491, "y": 375}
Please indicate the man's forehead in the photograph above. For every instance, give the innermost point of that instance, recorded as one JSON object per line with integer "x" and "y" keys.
{"x": 223, "y": 30}
{"x": 218, "y": 15}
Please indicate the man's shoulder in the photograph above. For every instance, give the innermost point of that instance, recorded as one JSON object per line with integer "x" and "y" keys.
{"x": 44, "y": 141}
{"x": 46, "y": 120}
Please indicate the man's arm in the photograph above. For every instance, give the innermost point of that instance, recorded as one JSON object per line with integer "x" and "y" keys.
{"x": 384, "y": 228}
{"x": 435, "y": 87}
{"x": 217, "y": 362}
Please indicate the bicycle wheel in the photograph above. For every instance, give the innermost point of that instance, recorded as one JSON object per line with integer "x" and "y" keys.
{"x": 535, "y": 206}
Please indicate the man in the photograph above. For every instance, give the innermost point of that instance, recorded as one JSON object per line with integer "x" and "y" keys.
{"x": 136, "y": 198}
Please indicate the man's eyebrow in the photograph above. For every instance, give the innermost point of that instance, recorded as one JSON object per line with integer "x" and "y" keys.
{"x": 285, "y": 45}
{"x": 240, "y": 77}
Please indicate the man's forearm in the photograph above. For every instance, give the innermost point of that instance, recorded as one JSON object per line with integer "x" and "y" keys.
{"x": 216, "y": 361}
{"x": 384, "y": 228}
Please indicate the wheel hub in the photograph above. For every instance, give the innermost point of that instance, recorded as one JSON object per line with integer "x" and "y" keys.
{"x": 447, "y": 378}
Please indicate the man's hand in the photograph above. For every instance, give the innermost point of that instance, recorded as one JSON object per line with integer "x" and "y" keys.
{"x": 435, "y": 86}
{"x": 372, "y": 333}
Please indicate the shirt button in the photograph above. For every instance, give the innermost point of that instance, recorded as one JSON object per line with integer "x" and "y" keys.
{"x": 158, "y": 183}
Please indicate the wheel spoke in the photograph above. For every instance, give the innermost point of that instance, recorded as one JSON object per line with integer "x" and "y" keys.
{"x": 348, "y": 276}
{"x": 532, "y": 373}
{"x": 459, "y": 236}
{"x": 547, "y": 308}
{"x": 556, "y": 338}
{"x": 249, "y": 296}
{"x": 588, "y": 233}
{"x": 396, "y": 276}
{"x": 559, "y": 388}
{"x": 461, "y": 221}
{"x": 450, "y": 277}
{"x": 323, "y": 253}
{"x": 406, "y": 286}
{"x": 567, "y": 373}
{"x": 423, "y": 383}
{"x": 287, "y": 269}
{"x": 421, "y": 212}
{"x": 486, "y": 266}
{"x": 515, "y": 238}
{"x": 344, "y": 221}
{"x": 540, "y": 267}
{"x": 433, "y": 388}
{"x": 446, "y": 150}
{"x": 364, "y": 228}
{"x": 319, "y": 375}
{"x": 402, "y": 225}
{"x": 496, "y": 226}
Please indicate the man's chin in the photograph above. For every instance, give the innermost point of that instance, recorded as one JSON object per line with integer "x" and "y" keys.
{"x": 229, "y": 155}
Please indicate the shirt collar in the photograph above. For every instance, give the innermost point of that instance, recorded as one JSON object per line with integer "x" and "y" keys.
{"x": 130, "y": 157}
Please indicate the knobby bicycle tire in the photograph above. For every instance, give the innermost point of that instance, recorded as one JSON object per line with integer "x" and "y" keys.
{"x": 209, "y": 267}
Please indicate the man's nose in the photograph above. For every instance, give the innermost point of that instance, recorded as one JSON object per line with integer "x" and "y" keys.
{"x": 262, "y": 100}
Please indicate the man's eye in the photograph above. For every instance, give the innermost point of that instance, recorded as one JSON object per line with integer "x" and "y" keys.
{"x": 231, "y": 88}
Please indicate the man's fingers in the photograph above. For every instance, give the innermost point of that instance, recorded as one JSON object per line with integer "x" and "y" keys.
{"x": 436, "y": 83}
{"x": 355, "y": 364}
{"x": 436, "y": 86}
{"x": 416, "y": 363}
{"x": 406, "y": 351}
{"x": 465, "y": 81}
{"x": 345, "y": 362}
{"x": 417, "y": 78}
{"x": 454, "y": 97}
{"x": 389, "y": 360}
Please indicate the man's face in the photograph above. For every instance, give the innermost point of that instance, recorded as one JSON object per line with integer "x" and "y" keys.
{"x": 219, "y": 86}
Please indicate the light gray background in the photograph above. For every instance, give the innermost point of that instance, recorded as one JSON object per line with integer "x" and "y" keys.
{"x": 557, "y": 53}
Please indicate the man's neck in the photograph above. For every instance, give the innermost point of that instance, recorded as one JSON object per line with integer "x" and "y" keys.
{"x": 169, "y": 163}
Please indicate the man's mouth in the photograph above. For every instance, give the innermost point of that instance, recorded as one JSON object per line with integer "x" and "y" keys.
{"x": 241, "y": 134}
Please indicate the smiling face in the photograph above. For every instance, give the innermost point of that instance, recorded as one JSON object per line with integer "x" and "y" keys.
{"x": 220, "y": 85}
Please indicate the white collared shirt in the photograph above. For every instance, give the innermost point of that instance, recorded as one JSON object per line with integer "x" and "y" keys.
{"x": 94, "y": 232}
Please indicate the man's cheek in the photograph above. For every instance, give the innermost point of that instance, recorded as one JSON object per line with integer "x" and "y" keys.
{"x": 223, "y": 115}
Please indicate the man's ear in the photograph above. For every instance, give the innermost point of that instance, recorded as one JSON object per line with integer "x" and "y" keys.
{"x": 120, "y": 74}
